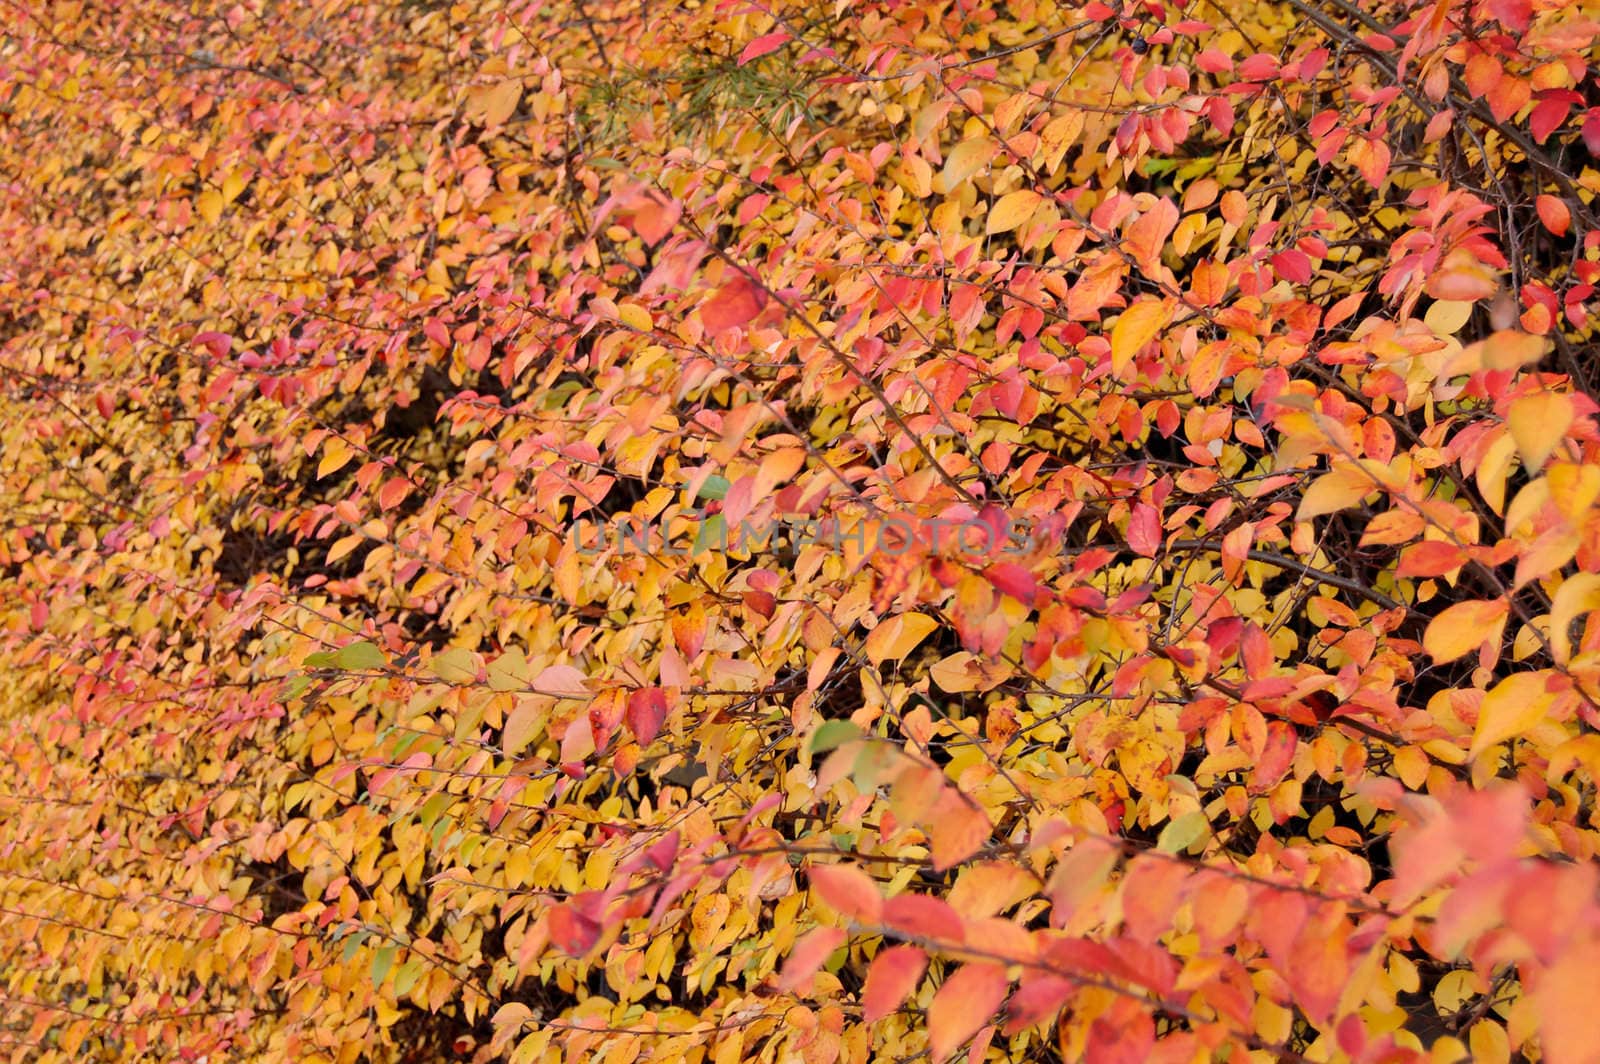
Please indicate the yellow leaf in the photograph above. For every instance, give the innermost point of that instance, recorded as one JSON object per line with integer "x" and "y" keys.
{"x": 1013, "y": 209}
{"x": 496, "y": 103}
{"x": 964, "y": 160}
{"x": 1463, "y": 628}
{"x": 328, "y": 257}
{"x": 1538, "y": 422}
{"x": 1136, "y": 326}
{"x": 458, "y": 665}
{"x": 523, "y": 724}
{"x": 1492, "y": 470}
{"x": 635, "y": 317}
{"x": 1446, "y": 316}
{"x": 1058, "y": 136}
{"x": 233, "y": 185}
{"x": 1512, "y": 707}
{"x": 1579, "y": 593}
{"x": 896, "y": 637}
{"x": 917, "y": 176}
{"x": 210, "y": 205}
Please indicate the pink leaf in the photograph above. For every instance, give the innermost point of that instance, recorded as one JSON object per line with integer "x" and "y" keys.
{"x": 764, "y": 45}
{"x": 809, "y": 955}
{"x": 894, "y": 974}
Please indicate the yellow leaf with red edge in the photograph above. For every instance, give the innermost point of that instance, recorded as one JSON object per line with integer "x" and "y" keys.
{"x": 1538, "y": 422}
{"x": 1135, "y": 328}
{"x": 964, "y": 160}
{"x": 1012, "y": 209}
{"x": 1513, "y": 707}
{"x": 896, "y": 637}
{"x": 1463, "y": 628}
{"x": 965, "y": 1003}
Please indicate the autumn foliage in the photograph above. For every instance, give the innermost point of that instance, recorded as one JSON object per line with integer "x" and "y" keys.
{"x": 867, "y": 530}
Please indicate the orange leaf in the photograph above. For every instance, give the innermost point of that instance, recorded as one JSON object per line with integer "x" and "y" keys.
{"x": 990, "y": 887}
{"x": 966, "y": 1002}
{"x": 1135, "y": 327}
{"x": 1345, "y": 485}
{"x": 849, "y": 891}
{"x": 893, "y": 976}
{"x": 1463, "y": 628}
{"x": 957, "y": 831}
{"x": 1013, "y": 209}
{"x": 1554, "y": 213}
{"x": 896, "y": 637}
{"x": 964, "y": 160}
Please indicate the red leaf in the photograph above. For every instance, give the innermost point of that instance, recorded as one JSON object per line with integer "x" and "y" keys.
{"x": 849, "y": 891}
{"x": 1126, "y": 1035}
{"x": 1515, "y": 15}
{"x": 572, "y": 932}
{"x": 732, "y": 305}
{"x": 894, "y": 974}
{"x": 967, "y": 1000}
{"x": 1144, "y": 530}
{"x": 647, "y": 708}
{"x": 809, "y": 955}
{"x": 1275, "y": 759}
{"x": 1038, "y": 998}
{"x": 764, "y": 45}
{"x": 1013, "y": 580}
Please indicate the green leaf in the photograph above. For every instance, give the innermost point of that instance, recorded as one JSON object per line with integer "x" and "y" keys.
{"x": 713, "y": 533}
{"x": 322, "y": 659}
{"x": 362, "y": 655}
{"x": 407, "y": 976}
{"x": 833, "y": 734}
{"x": 353, "y": 944}
{"x": 715, "y": 487}
{"x": 381, "y": 963}
{"x": 1183, "y": 832}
